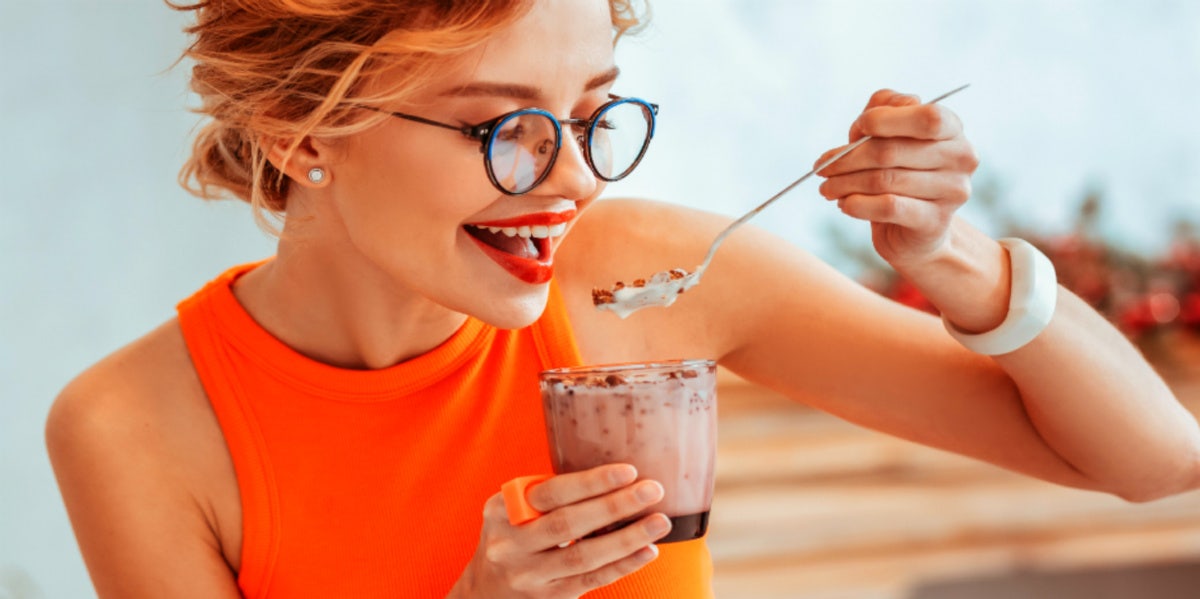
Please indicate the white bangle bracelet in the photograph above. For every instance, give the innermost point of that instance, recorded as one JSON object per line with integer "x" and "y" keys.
{"x": 1030, "y": 306}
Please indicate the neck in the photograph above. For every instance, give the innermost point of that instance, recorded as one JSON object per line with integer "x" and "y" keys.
{"x": 322, "y": 298}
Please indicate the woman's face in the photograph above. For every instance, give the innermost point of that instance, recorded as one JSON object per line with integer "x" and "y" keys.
{"x": 415, "y": 200}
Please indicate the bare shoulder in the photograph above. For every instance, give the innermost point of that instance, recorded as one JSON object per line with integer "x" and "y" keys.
{"x": 143, "y": 396}
{"x": 144, "y": 473}
{"x": 625, "y": 239}
{"x": 138, "y": 373}
{"x": 617, "y": 239}
{"x": 622, "y": 240}
{"x": 613, "y": 231}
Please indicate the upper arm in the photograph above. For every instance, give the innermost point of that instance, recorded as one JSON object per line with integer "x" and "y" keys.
{"x": 142, "y": 530}
{"x": 826, "y": 340}
{"x": 782, "y": 318}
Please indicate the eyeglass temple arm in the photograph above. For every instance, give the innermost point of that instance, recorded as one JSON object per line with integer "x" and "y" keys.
{"x": 411, "y": 117}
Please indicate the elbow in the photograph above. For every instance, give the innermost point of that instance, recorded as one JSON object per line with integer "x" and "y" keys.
{"x": 1145, "y": 495}
{"x": 1186, "y": 478}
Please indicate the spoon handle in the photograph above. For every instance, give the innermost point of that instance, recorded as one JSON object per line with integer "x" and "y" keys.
{"x": 749, "y": 215}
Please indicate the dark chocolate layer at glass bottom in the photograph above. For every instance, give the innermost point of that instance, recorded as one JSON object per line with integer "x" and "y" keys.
{"x": 683, "y": 528}
{"x": 686, "y": 528}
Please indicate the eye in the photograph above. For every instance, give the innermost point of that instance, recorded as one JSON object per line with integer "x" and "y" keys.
{"x": 516, "y": 132}
{"x": 606, "y": 124}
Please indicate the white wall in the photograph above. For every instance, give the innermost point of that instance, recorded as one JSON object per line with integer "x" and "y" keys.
{"x": 97, "y": 242}
{"x": 1065, "y": 94}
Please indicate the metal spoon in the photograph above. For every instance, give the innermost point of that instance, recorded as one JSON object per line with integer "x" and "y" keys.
{"x": 662, "y": 288}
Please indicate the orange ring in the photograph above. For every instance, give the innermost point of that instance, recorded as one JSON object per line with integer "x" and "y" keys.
{"x": 515, "y": 500}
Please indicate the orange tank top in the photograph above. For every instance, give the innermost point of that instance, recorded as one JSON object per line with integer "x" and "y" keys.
{"x": 371, "y": 483}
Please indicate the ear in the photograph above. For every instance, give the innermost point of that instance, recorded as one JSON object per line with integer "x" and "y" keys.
{"x": 310, "y": 154}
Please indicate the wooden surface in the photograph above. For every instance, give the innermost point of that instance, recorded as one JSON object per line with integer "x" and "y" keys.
{"x": 810, "y": 507}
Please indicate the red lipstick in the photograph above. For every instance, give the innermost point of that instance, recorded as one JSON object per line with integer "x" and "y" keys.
{"x": 530, "y": 259}
{"x": 534, "y": 272}
{"x": 544, "y": 219}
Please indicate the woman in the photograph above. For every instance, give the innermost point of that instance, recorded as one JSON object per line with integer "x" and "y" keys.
{"x": 334, "y": 421}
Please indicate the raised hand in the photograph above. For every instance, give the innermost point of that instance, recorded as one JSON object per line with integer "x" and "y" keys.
{"x": 909, "y": 180}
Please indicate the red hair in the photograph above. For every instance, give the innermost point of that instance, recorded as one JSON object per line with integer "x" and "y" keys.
{"x": 286, "y": 69}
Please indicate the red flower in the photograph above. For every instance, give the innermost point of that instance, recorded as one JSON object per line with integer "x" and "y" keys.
{"x": 1189, "y": 312}
{"x": 1149, "y": 311}
{"x": 906, "y": 293}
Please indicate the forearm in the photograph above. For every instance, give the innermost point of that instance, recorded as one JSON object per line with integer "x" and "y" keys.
{"x": 1089, "y": 393}
{"x": 1096, "y": 402}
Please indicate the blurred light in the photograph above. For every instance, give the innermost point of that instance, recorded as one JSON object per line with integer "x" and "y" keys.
{"x": 1164, "y": 307}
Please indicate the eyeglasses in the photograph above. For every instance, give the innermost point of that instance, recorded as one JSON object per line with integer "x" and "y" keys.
{"x": 519, "y": 148}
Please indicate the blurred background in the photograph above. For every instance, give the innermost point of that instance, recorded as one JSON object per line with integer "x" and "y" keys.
{"x": 1083, "y": 113}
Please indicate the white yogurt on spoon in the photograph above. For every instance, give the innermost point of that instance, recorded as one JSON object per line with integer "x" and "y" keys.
{"x": 660, "y": 290}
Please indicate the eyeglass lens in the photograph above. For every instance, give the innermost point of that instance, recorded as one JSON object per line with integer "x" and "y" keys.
{"x": 521, "y": 150}
{"x": 523, "y": 145}
{"x": 618, "y": 138}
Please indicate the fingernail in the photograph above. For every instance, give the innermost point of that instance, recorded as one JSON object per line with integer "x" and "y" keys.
{"x": 622, "y": 475}
{"x": 647, "y": 554}
{"x": 658, "y": 526}
{"x": 649, "y": 491}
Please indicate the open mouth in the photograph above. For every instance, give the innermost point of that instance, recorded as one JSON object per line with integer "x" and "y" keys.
{"x": 529, "y": 243}
{"x": 525, "y": 250}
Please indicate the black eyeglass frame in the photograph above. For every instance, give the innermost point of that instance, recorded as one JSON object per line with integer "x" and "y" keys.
{"x": 486, "y": 131}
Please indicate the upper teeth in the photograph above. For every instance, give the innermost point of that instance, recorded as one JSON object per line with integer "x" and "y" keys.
{"x": 536, "y": 231}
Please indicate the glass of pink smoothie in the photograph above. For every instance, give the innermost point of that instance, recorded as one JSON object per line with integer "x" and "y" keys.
{"x": 660, "y": 416}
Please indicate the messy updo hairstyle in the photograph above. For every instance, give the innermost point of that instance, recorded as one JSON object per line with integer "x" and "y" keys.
{"x": 268, "y": 70}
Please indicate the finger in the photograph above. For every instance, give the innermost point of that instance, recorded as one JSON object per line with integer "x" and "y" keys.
{"x": 591, "y": 554}
{"x": 608, "y": 574}
{"x": 565, "y": 489}
{"x": 899, "y": 99}
{"x": 910, "y": 213}
{"x": 578, "y": 520}
{"x": 494, "y": 510}
{"x": 902, "y": 152}
{"x": 938, "y": 186}
{"x": 883, "y": 97}
{"x": 924, "y": 121}
{"x": 888, "y": 97}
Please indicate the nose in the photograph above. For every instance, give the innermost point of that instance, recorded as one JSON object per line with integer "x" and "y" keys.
{"x": 570, "y": 176}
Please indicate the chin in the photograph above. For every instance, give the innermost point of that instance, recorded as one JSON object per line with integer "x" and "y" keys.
{"x": 512, "y": 312}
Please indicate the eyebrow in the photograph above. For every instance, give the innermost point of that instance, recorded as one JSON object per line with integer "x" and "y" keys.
{"x": 523, "y": 92}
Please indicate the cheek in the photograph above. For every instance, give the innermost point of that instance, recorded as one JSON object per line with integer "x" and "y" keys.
{"x": 420, "y": 191}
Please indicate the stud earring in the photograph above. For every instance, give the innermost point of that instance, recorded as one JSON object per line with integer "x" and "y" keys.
{"x": 316, "y": 174}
